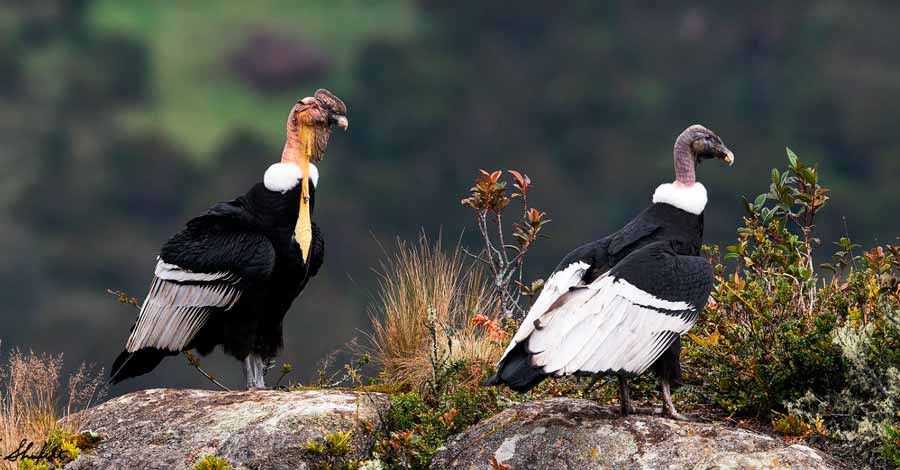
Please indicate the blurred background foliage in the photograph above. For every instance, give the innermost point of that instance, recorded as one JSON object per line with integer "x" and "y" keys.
{"x": 121, "y": 119}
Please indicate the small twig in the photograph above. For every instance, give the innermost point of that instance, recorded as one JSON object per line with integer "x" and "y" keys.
{"x": 476, "y": 257}
{"x": 497, "y": 217}
{"x": 192, "y": 360}
{"x": 490, "y": 244}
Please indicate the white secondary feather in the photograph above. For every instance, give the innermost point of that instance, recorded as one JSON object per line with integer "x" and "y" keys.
{"x": 559, "y": 283}
{"x": 282, "y": 177}
{"x": 640, "y": 297}
{"x": 609, "y": 325}
{"x": 173, "y": 272}
{"x": 687, "y": 198}
{"x": 178, "y": 305}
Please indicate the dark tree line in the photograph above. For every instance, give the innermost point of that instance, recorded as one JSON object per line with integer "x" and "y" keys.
{"x": 584, "y": 96}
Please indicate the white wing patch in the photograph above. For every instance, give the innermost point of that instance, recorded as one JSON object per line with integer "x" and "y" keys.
{"x": 610, "y": 325}
{"x": 173, "y": 272}
{"x": 558, "y": 284}
{"x": 178, "y": 305}
{"x": 639, "y": 297}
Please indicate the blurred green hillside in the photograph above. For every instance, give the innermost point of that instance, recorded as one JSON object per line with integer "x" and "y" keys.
{"x": 120, "y": 120}
{"x": 197, "y": 97}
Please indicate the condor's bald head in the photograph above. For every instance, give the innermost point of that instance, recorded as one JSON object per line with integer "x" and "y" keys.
{"x": 310, "y": 123}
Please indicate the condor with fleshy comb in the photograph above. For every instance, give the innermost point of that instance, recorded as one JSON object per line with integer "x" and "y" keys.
{"x": 231, "y": 274}
{"x": 619, "y": 305}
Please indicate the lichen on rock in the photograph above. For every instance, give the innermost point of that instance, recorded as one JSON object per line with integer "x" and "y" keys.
{"x": 565, "y": 433}
{"x": 263, "y": 429}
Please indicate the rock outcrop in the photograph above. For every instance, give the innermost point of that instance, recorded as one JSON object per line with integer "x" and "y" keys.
{"x": 267, "y": 429}
{"x": 173, "y": 429}
{"x": 565, "y": 433}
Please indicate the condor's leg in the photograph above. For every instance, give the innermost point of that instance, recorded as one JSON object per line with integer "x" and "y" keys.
{"x": 625, "y": 396}
{"x": 254, "y": 372}
{"x": 668, "y": 371}
{"x": 667, "y": 398}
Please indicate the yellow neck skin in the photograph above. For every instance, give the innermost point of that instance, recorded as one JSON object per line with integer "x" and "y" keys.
{"x": 300, "y": 153}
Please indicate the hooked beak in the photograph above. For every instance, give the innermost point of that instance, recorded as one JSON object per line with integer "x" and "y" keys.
{"x": 342, "y": 122}
{"x": 729, "y": 157}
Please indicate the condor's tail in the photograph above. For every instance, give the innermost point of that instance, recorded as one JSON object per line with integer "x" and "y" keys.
{"x": 516, "y": 371}
{"x": 133, "y": 364}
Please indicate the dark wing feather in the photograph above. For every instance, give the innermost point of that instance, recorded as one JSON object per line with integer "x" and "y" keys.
{"x": 636, "y": 230}
{"x": 205, "y": 267}
{"x": 221, "y": 240}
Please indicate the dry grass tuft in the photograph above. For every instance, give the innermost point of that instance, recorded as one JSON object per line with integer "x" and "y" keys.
{"x": 32, "y": 400}
{"x": 422, "y": 287}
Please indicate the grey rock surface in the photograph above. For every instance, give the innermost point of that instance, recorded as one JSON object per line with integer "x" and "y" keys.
{"x": 261, "y": 429}
{"x": 565, "y": 433}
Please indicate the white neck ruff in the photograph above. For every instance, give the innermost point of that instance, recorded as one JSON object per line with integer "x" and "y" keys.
{"x": 687, "y": 198}
{"x": 282, "y": 177}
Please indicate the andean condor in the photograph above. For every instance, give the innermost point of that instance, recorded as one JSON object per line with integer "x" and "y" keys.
{"x": 230, "y": 275}
{"x": 620, "y": 304}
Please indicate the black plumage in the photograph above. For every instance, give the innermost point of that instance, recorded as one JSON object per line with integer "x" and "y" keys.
{"x": 252, "y": 239}
{"x": 660, "y": 236}
{"x": 228, "y": 278}
{"x": 618, "y": 305}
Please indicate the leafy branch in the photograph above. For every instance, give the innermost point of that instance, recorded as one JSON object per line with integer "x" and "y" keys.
{"x": 488, "y": 198}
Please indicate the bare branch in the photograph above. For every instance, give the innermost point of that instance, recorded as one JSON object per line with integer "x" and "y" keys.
{"x": 476, "y": 257}
{"x": 192, "y": 360}
{"x": 195, "y": 363}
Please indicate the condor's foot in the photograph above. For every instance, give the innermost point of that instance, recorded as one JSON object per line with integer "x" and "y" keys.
{"x": 669, "y": 407}
{"x": 254, "y": 372}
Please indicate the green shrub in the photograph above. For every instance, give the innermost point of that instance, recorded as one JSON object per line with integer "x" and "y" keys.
{"x": 417, "y": 425}
{"x": 212, "y": 462}
{"x": 59, "y": 448}
{"x": 765, "y": 338}
{"x": 890, "y": 449}
{"x": 28, "y": 464}
{"x": 794, "y": 426}
{"x": 817, "y": 355}
{"x": 862, "y": 416}
{"x": 333, "y": 454}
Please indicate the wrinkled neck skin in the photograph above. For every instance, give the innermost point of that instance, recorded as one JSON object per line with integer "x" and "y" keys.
{"x": 686, "y": 193}
{"x": 292, "y": 146}
{"x": 685, "y": 166}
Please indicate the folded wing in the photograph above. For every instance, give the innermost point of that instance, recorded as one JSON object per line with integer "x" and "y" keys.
{"x": 203, "y": 269}
{"x": 625, "y": 319}
{"x": 559, "y": 283}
